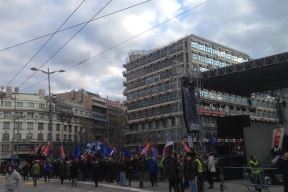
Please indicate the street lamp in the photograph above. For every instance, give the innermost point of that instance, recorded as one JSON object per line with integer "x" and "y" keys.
{"x": 48, "y": 72}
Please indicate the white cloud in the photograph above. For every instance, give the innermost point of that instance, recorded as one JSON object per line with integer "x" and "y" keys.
{"x": 257, "y": 27}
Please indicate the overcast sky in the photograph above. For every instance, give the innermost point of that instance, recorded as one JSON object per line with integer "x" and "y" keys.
{"x": 256, "y": 27}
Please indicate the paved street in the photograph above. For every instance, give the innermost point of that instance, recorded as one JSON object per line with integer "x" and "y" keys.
{"x": 55, "y": 186}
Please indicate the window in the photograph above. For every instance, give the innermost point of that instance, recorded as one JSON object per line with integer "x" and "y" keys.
{"x": 65, "y": 137}
{"x": 41, "y": 115}
{"x": 202, "y": 58}
{"x": 40, "y": 137}
{"x": 70, "y": 128}
{"x": 18, "y": 125}
{"x": 195, "y": 57}
{"x": 75, "y": 129}
{"x": 69, "y": 137}
{"x": 6, "y": 125}
{"x": 30, "y": 115}
{"x": 209, "y": 61}
{"x": 75, "y": 138}
{"x": 57, "y": 127}
{"x": 194, "y": 44}
{"x": 65, "y": 127}
{"x": 30, "y": 104}
{"x": 29, "y": 136}
{"x": 7, "y": 103}
{"x": 41, "y": 105}
{"x": 208, "y": 49}
{"x": 7, "y": 114}
{"x": 57, "y": 137}
{"x": 40, "y": 126}
{"x": 19, "y": 115}
{"x": 201, "y": 47}
{"x": 19, "y": 104}
{"x": 5, "y": 147}
{"x": 5, "y": 137}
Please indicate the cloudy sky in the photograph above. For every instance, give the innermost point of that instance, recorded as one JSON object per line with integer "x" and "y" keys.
{"x": 256, "y": 27}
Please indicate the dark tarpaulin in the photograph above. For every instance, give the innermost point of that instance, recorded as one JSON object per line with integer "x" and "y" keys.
{"x": 189, "y": 102}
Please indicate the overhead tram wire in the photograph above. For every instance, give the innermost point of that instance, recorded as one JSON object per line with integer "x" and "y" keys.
{"x": 44, "y": 44}
{"x": 138, "y": 35}
{"x": 71, "y": 27}
{"x": 125, "y": 41}
{"x": 63, "y": 45}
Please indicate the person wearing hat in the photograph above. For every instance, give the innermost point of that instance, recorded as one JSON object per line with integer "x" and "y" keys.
{"x": 13, "y": 179}
{"x": 190, "y": 171}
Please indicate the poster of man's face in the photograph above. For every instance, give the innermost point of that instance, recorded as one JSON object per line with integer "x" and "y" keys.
{"x": 277, "y": 139}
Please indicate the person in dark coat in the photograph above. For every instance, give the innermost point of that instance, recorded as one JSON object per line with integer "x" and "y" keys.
{"x": 96, "y": 167}
{"x": 74, "y": 173}
{"x": 180, "y": 169}
{"x": 283, "y": 167}
{"x": 62, "y": 171}
{"x": 170, "y": 169}
{"x": 153, "y": 170}
{"x": 190, "y": 172}
{"x": 25, "y": 171}
{"x": 130, "y": 168}
{"x": 141, "y": 168}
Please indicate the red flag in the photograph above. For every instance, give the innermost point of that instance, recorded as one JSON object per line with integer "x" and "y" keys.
{"x": 46, "y": 149}
{"x": 61, "y": 152}
{"x": 186, "y": 148}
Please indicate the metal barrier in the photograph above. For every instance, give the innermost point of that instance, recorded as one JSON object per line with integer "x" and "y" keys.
{"x": 262, "y": 181}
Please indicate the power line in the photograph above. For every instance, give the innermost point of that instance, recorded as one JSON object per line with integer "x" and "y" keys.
{"x": 71, "y": 27}
{"x": 63, "y": 45}
{"x": 45, "y": 43}
{"x": 139, "y": 34}
{"x": 127, "y": 40}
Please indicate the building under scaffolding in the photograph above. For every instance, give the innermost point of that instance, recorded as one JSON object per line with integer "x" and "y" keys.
{"x": 153, "y": 90}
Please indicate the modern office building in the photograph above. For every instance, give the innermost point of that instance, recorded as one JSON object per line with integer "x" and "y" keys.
{"x": 154, "y": 105}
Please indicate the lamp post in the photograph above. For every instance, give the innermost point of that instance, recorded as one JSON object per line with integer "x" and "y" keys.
{"x": 48, "y": 73}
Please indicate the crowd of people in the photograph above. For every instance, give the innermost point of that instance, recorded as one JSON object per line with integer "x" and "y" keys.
{"x": 182, "y": 171}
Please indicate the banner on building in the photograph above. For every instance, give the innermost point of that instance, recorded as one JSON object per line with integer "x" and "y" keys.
{"x": 189, "y": 102}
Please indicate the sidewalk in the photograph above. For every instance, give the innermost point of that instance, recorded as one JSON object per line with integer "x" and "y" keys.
{"x": 229, "y": 186}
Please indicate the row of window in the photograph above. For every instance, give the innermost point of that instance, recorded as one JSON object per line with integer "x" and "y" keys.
{"x": 217, "y": 52}
{"x": 20, "y": 115}
{"x": 152, "y": 90}
{"x": 154, "y": 67}
{"x": 24, "y": 104}
{"x": 153, "y": 112}
{"x": 152, "y": 79}
{"x": 209, "y": 61}
{"x": 40, "y": 137}
{"x": 269, "y": 104}
{"x": 160, "y": 123}
{"x": 153, "y": 101}
{"x": 237, "y": 110}
{"x": 30, "y": 126}
{"x": 155, "y": 55}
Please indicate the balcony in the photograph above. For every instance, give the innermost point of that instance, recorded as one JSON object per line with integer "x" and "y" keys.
{"x": 124, "y": 65}
{"x": 124, "y": 73}
{"x": 125, "y": 83}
